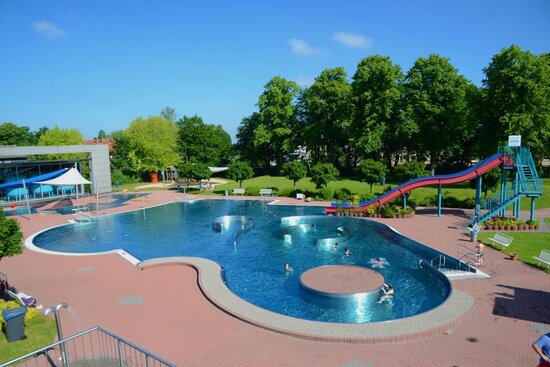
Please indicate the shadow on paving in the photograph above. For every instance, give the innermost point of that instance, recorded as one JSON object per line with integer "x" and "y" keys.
{"x": 461, "y": 213}
{"x": 522, "y": 303}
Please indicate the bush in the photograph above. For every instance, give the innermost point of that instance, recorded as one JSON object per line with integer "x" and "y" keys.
{"x": 32, "y": 312}
{"x": 326, "y": 193}
{"x": 343, "y": 194}
{"x": 388, "y": 212}
{"x": 252, "y": 191}
{"x": 117, "y": 175}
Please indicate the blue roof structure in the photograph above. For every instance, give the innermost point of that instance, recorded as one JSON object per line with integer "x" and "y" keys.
{"x": 31, "y": 180}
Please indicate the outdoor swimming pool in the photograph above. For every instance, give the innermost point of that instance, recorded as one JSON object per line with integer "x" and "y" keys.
{"x": 254, "y": 265}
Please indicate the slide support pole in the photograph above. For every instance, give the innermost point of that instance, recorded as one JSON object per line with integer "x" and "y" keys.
{"x": 503, "y": 180}
{"x": 439, "y": 201}
{"x": 532, "y": 216}
{"x": 405, "y": 201}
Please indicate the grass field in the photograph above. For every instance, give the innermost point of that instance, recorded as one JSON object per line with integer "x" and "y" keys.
{"x": 40, "y": 331}
{"x": 283, "y": 185}
{"x": 525, "y": 244}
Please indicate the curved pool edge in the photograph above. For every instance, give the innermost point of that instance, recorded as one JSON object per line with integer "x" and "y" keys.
{"x": 436, "y": 321}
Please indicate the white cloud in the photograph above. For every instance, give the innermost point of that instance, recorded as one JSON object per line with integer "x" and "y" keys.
{"x": 353, "y": 40}
{"x": 48, "y": 30}
{"x": 304, "y": 81}
{"x": 301, "y": 47}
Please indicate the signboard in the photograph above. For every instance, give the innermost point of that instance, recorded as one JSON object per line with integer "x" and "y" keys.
{"x": 514, "y": 140}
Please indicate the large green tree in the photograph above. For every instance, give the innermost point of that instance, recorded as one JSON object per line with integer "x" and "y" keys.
{"x": 436, "y": 102}
{"x": 203, "y": 143}
{"x": 517, "y": 100}
{"x": 58, "y": 136}
{"x": 152, "y": 143}
{"x": 11, "y": 134}
{"x": 376, "y": 97}
{"x": 276, "y": 120}
{"x": 326, "y": 112}
{"x": 10, "y": 236}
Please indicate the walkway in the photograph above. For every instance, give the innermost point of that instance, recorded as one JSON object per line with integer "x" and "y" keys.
{"x": 163, "y": 310}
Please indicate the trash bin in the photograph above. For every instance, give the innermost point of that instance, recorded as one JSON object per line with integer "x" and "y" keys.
{"x": 15, "y": 323}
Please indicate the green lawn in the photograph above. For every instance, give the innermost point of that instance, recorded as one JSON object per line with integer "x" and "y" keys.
{"x": 282, "y": 185}
{"x": 525, "y": 244}
{"x": 40, "y": 331}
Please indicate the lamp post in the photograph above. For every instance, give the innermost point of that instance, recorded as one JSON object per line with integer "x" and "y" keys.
{"x": 55, "y": 311}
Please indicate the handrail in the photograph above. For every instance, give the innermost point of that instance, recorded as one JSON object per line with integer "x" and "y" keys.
{"x": 441, "y": 261}
{"x": 119, "y": 340}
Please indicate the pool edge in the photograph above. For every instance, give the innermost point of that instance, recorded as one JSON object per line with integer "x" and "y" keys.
{"x": 439, "y": 320}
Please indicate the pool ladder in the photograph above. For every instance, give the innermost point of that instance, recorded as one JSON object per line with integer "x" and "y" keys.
{"x": 438, "y": 262}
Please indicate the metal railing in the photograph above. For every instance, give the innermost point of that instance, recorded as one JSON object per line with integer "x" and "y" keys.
{"x": 466, "y": 255}
{"x": 438, "y": 262}
{"x": 95, "y": 347}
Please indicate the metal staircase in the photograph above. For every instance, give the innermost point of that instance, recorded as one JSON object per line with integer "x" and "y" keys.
{"x": 526, "y": 183}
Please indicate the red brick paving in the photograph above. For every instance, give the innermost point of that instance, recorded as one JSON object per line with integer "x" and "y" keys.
{"x": 177, "y": 323}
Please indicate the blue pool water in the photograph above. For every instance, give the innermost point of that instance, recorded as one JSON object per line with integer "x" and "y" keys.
{"x": 254, "y": 266}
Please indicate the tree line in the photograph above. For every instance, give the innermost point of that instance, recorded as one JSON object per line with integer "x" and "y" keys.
{"x": 430, "y": 113}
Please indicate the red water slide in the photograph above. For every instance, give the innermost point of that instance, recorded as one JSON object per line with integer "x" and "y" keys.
{"x": 462, "y": 176}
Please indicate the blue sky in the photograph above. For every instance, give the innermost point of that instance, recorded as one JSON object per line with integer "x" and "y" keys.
{"x": 99, "y": 64}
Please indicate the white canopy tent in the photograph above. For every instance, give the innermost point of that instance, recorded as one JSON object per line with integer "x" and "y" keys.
{"x": 218, "y": 169}
{"x": 70, "y": 178}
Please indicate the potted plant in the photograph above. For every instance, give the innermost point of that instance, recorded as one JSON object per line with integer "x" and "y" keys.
{"x": 513, "y": 256}
{"x": 489, "y": 224}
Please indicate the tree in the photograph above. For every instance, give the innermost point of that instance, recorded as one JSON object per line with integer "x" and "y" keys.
{"x": 11, "y": 134}
{"x": 10, "y": 237}
{"x": 294, "y": 171}
{"x": 202, "y": 143}
{"x": 121, "y": 152}
{"x": 409, "y": 170}
{"x": 517, "y": 100}
{"x": 101, "y": 134}
{"x": 489, "y": 181}
{"x": 169, "y": 113}
{"x": 323, "y": 173}
{"x": 371, "y": 171}
{"x": 326, "y": 112}
{"x": 240, "y": 171}
{"x": 152, "y": 144}
{"x": 376, "y": 95}
{"x": 435, "y": 97}
{"x": 200, "y": 171}
{"x": 276, "y": 120}
{"x": 57, "y": 136}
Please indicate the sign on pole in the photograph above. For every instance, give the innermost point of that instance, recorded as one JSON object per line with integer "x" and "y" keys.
{"x": 514, "y": 140}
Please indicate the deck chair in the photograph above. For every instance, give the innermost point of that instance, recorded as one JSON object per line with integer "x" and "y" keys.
{"x": 23, "y": 299}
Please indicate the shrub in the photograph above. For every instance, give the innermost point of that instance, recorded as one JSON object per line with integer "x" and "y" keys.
{"x": 326, "y": 193}
{"x": 117, "y": 175}
{"x": 32, "y": 312}
{"x": 388, "y": 212}
{"x": 252, "y": 191}
{"x": 342, "y": 194}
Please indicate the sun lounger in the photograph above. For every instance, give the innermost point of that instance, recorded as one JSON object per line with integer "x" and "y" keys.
{"x": 266, "y": 192}
{"x": 501, "y": 239}
{"x": 544, "y": 257}
{"x": 238, "y": 192}
{"x": 23, "y": 299}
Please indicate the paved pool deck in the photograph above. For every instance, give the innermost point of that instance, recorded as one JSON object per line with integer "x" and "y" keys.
{"x": 164, "y": 310}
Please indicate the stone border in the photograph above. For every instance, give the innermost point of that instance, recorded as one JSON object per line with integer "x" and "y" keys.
{"x": 436, "y": 321}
